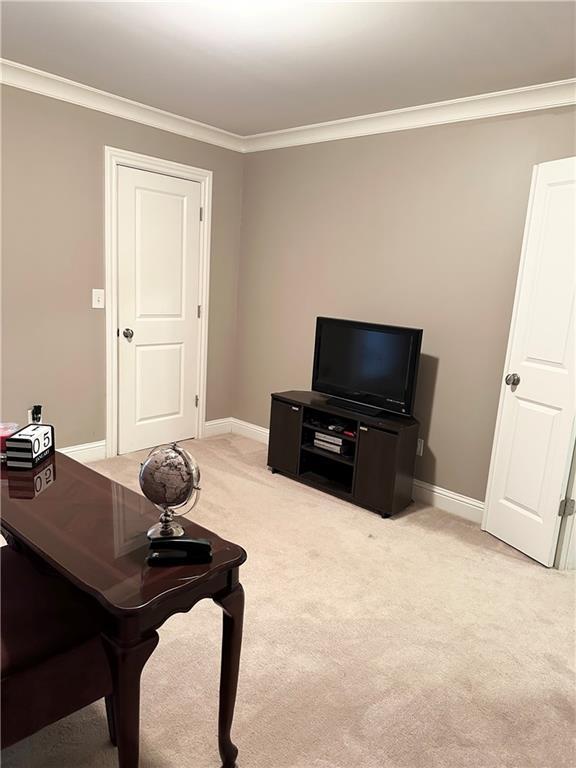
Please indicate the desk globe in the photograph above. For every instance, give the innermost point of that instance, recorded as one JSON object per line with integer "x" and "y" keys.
{"x": 169, "y": 478}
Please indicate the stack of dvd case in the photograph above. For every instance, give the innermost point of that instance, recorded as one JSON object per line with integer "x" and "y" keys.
{"x": 331, "y": 443}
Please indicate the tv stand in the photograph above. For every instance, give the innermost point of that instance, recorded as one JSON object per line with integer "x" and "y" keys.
{"x": 375, "y": 468}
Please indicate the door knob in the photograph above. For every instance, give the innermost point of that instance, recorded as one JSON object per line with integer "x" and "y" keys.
{"x": 128, "y": 333}
{"x": 512, "y": 379}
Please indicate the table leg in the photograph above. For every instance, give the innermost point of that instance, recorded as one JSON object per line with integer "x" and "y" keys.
{"x": 233, "y": 607}
{"x": 111, "y": 717}
{"x": 126, "y": 665}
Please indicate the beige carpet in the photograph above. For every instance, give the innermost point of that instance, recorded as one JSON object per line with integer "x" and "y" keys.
{"x": 415, "y": 642}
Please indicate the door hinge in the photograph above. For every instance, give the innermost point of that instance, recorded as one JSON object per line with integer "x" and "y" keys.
{"x": 197, "y": 400}
{"x": 199, "y": 313}
{"x": 567, "y": 508}
{"x": 118, "y": 332}
{"x": 201, "y": 213}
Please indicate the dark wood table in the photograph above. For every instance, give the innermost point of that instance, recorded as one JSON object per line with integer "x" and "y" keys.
{"x": 92, "y": 531}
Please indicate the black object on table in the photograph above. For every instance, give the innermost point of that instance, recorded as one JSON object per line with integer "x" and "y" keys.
{"x": 179, "y": 550}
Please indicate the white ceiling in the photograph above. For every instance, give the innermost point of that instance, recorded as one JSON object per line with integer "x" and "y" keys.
{"x": 252, "y": 67}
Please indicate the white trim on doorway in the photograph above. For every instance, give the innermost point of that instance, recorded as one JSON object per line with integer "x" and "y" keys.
{"x": 114, "y": 158}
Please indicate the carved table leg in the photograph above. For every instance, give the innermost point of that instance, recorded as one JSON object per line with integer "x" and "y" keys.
{"x": 111, "y": 717}
{"x": 126, "y": 664}
{"x": 233, "y": 606}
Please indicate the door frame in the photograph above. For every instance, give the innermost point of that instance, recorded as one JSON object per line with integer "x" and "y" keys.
{"x": 565, "y": 559}
{"x": 113, "y": 159}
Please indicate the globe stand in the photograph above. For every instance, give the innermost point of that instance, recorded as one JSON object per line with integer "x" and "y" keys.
{"x": 166, "y": 527}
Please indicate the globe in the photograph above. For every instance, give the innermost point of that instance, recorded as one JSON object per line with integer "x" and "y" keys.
{"x": 170, "y": 479}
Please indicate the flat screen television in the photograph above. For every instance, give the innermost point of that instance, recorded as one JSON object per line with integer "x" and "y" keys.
{"x": 365, "y": 364}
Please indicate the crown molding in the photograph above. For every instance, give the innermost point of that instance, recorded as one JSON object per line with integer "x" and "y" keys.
{"x": 517, "y": 100}
{"x": 56, "y": 87}
{"x": 528, "y": 99}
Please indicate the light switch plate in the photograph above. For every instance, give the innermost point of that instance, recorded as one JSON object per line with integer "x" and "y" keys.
{"x": 97, "y": 298}
{"x": 420, "y": 447}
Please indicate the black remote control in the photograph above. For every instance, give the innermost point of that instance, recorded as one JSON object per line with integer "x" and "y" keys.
{"x": 182, "y": 542}
{"x": 179, "y": 551}
{"x": 156, "y": 559}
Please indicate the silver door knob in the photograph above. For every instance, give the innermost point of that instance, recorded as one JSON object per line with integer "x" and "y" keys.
{"x": 512, "y": 379}
{"x": 128, "y": 333}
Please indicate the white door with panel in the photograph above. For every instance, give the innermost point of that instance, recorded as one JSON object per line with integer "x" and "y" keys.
{"x": 536, "y": 418}
{"x": 158, "y": 226}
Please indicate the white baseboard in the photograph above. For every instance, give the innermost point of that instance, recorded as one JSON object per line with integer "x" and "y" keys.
{"x": 448, "y": 501}
{"x": 441, "y": 498}
{"x": 253, "y": 431}
{"x": 217, "y": 427}
{"x": 236, "y": 427}
{"x": 86, "y": 452}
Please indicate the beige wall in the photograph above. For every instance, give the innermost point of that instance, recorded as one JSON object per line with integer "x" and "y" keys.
{"x": 420, "y": 228}
{"x": 53, "y": 255}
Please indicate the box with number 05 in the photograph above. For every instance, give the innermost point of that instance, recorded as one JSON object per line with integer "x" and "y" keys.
{"x": 29, "y": 446}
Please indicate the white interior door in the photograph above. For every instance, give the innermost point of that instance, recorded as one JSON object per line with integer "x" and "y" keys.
{"x": 536, "y": 417}
{"x": 158, "y": 225}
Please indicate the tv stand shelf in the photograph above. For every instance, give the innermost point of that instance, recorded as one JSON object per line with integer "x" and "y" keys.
{"x": 327, "y": 455}
{"x": 377, "y": 469}
{"x": 312, "y": 428}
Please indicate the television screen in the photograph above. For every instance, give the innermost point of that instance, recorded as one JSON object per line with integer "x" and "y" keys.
{"x": 366, "y": 363}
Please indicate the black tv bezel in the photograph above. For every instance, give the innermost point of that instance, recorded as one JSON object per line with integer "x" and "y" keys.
{"x": 375, "y": 401}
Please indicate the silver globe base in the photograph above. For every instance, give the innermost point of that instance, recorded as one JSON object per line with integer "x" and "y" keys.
{"x": 163, "y": 531}
{"x": 166, "y": 527}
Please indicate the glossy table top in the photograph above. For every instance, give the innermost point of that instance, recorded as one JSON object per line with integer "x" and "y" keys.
{"x": 94, "y": 531}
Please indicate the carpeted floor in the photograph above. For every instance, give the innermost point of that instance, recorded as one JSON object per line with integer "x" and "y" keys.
{"x": 415, "y": 642}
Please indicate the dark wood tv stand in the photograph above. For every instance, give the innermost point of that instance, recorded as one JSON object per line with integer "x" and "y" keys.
{"x": 377, "y": 470}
